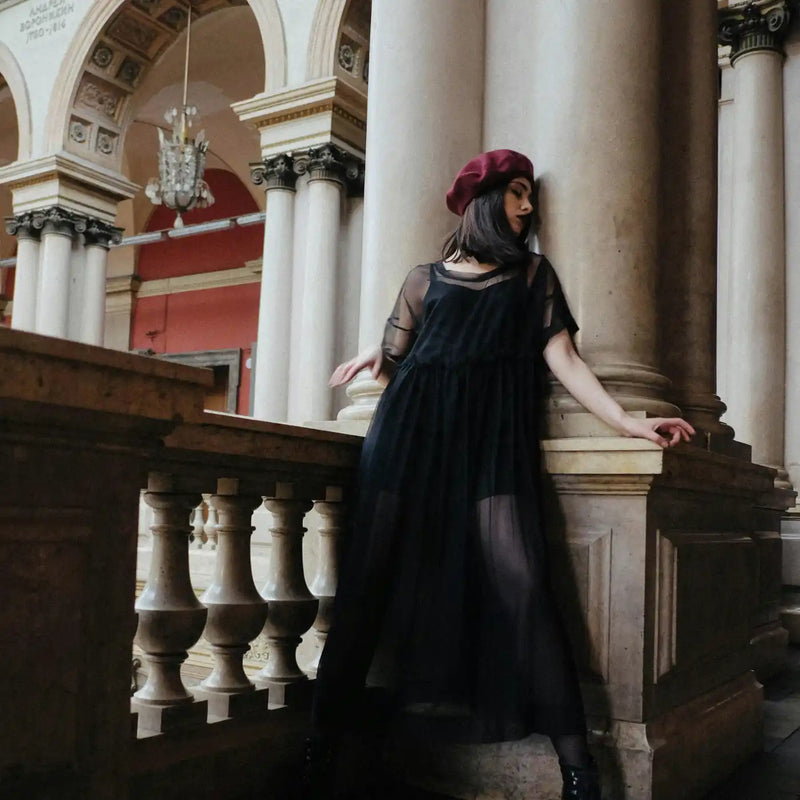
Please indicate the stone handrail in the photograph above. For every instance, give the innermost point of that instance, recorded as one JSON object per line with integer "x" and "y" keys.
{"x": 82, "y": 431}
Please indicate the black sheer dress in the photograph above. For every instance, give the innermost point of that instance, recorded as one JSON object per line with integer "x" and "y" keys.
{"x": 444, "y": 588}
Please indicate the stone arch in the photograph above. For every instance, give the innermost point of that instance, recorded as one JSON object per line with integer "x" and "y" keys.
{"x": 12, "y": 74}
{"x": 340, "y": 27}
{"x": 119, "y": 41}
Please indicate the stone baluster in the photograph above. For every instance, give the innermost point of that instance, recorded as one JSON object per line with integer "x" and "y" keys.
{"x": 236, "y": 611}
{"x": 292, "y": 608}
{"x": 171, "y": 618}
{"x": 332, "y": 513}
{"x": 198, "y": 526}
{"x": 210, "y": 528}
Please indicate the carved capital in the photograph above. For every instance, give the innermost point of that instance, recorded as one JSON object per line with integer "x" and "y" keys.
{"x": 32, "y": 224}
{"x": 278, "y": 172}
{"x": 101, "y": 234}
{"x": 24, "y": 226}
{"x": 756, "y": 26}
{"x": 332, "y": 163}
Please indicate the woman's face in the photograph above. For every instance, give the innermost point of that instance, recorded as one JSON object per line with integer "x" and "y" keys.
{"x": 517, "y": 202}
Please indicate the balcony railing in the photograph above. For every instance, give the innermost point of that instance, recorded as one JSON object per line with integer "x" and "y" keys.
{"x": 85, "y": 432}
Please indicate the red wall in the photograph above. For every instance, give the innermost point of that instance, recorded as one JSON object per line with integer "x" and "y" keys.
{"x": 209, "y": 251}
{"x": 8, "y": 291}
{"x": 209, "y": 319}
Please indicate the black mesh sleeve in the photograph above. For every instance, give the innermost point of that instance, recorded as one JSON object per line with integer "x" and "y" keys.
{"x": 405, "y": 321}
{"x": 556, "y": 316}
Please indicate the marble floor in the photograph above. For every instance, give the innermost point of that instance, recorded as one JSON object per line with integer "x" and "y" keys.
{"x": 775, "y": 773}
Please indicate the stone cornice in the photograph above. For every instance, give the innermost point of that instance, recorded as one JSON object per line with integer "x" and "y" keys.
{"x": 309, "y": 115}
{"x": 756, "y": 26}
{"x": 38, "y": 170}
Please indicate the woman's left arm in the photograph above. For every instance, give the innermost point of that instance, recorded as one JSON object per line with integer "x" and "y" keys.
{"x": 576, "y": 377}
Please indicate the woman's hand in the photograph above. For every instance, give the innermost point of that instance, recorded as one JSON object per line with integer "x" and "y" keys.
{"x": 371, "y": 358}
{"x": 664, "y": 431}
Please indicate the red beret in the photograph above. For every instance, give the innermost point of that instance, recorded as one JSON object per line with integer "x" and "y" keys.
{"x": 485, "y": 172}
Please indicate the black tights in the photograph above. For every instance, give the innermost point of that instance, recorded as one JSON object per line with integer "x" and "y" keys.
{"x": 572, "y": 750}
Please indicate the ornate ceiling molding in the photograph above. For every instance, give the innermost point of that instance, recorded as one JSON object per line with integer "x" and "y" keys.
{"x": 339, "y": 42}
{"x": 119, "y": 43}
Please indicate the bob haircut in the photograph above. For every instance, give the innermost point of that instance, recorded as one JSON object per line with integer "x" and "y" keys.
{"x": 485, "y": 234}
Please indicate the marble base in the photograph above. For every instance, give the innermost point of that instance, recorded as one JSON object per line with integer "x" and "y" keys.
{"x": 154, "y": 719}
{"x": 768, "y": 647}
{"x": 233, "y": 706}
{"x": 296, "y": 695}
{"x": 680, "y": 755}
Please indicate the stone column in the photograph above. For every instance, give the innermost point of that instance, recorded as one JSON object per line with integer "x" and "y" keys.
{"x": 688, "y": 220}
{"x": 98, "y": 237}
{"x": 271, "y": 391}
{"x": 598, "y": 174}
{"x": 52, "y": 306}
{"x": 329, "y": 169}
{"x": 423, "y": 125}
{"x": 756, "y": 271}
{"x": 24, "y": 227}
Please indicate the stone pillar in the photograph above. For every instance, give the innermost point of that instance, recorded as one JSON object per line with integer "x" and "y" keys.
{"x": 52, "y": 306}
{"x": 24, "y": 227}
{"x": 598, "y": 175}
{"x": 329, "y": 169}
{"x": 757, "y": 252}
{"x": 417, "y": 65}
{"x": 98, "y": 237}
{"x": 688, "y": 220}
{"x": 271, "y": 392}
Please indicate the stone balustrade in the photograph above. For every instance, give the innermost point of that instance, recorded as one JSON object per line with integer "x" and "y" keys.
{"x": 671, "y": 566}
{"x": 84, "y": 432}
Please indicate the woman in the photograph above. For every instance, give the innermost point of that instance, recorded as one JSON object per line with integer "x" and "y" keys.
{"x": 445, "y": 584}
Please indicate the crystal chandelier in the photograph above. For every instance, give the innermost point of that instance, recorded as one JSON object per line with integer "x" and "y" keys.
{"x": 181, "y": 160}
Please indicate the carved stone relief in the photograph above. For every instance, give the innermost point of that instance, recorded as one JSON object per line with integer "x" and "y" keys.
{"x": 129, "y": 71}
{"x": 79, "y": 130}
{"x": 106, "y": 141}
{"x": 102, "y": 56}
{"x": 99, "y": 96}
{"x": 134, "y": 33}
{"x": 174, "y": 17}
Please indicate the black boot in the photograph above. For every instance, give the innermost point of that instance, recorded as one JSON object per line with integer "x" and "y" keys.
{"x": 319, "y": 769}
{"x": 580, "y": 783}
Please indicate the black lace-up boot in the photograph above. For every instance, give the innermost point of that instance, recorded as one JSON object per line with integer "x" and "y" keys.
{"x": 580, "y": 783}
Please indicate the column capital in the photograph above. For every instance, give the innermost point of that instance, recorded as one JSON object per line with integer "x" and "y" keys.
{"x": 60, "y": 220}
{"x": 332, "y": 163}
{"x": 101, "y": 234}
{"x": 24, "y": 226}
{"x": 756, "y": 26}
{"x": 277, "y": 172}
{"x": 31, "y": 224}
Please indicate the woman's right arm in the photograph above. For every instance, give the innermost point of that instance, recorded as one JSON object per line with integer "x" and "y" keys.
{"x": 398, "y": 336}
{"x": 371, "y": 359}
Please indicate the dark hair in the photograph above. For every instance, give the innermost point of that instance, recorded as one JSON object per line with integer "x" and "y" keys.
{"x": 484, "y": 232}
